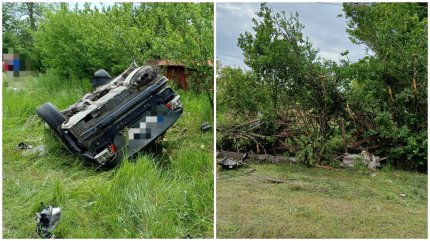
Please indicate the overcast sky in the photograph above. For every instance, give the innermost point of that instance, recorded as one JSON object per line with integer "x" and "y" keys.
{"x": 326, "y": 31}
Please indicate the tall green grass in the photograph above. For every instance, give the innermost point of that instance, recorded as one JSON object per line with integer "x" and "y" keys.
{"x": 167, "y": 194}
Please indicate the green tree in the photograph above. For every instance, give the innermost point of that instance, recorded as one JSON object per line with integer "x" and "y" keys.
{"x": 239, "y": 92}
{"x": 78, "y": 41}
{"x": 277, "y": 52}
{"x": 390, "y": 87}
{"x": 302, "y": 87}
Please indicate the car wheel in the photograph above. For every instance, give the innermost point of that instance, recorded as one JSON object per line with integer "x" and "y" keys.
{"x": 51, "y": 116}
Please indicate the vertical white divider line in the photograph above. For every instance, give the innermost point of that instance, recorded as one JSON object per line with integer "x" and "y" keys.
{"x": 214, "y": 113}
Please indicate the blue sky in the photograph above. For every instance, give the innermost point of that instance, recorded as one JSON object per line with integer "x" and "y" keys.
{"x": 326, "y": 31}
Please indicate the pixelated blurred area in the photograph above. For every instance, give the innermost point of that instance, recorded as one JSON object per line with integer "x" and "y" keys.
{"x": 15, "y": 65}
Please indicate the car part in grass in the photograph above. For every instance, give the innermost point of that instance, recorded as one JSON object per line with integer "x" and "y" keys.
{"x": 205, "y": 127}
{"x": 22, "y": 146}
{"x": 47, "y": 219}
{"x": 230, "y": 163}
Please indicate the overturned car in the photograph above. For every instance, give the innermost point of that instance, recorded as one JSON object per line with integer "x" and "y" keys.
{"x": 117, "y": 119}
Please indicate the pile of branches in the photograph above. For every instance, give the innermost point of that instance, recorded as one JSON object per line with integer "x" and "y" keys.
{"x": 259, "y": 136}
{"x": 305, "y": 135}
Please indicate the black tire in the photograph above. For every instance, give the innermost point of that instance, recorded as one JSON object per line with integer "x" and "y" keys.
{"x": 49, "y": 114}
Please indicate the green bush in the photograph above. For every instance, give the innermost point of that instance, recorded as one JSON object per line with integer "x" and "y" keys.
{"x": 239, "y": 91}
{"x": 77, "y": 42}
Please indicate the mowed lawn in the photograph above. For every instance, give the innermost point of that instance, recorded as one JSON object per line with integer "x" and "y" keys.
{"x": 319, "y": 203}
{"x": 167, "y": 194}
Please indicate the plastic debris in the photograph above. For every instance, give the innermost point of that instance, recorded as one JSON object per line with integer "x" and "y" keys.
{"x": 229, "y": 163}
{"x": 40, "y": 149}
{"x": 205, "y": 127}
{"x": 22, "y": 146}
{"x": 29, "y": 149}
{"x": 47, "y": 220}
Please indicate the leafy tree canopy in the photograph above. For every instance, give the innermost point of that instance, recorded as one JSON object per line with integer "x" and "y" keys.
{"x": 78, "y": 41}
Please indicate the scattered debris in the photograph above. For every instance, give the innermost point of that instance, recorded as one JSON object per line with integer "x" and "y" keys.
{"x": 38, "y": 149}
{"x": 349, "y": 160}
{"x": 28, "y": 149}
{"x": 22, "y": 146}
{"x": 47, "y": 220}
{"x": 370, "y": 160}
{"x": 230, "y": 163}
{"x": 205, "y": 127}
{"x": 402, "y": 195}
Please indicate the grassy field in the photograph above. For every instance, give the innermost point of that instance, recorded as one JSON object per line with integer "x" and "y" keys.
{"x": 164, "y": 195}
{"x": 318, "y": 203}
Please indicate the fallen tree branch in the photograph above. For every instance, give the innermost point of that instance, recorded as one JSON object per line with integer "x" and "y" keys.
{"x": 326, "y": 167}
{"x": 252, "y": 157}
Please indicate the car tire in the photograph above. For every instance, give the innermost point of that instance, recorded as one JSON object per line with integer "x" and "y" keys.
{"x": 51, "y": 116}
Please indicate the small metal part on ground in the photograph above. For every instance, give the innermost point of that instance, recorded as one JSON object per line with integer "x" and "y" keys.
{"x": 229, "y": 163}
{"x": 205, "y": 127}
{"x": 22, "y": 146}
{"x": 47, "y": 220}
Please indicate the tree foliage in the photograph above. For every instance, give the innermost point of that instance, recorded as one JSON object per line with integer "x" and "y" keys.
{"x": 277, "y": 51}
{"x": 80, "y": 40}
{"x": 390, "y": 87}
{"x": 240, "y": 92}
